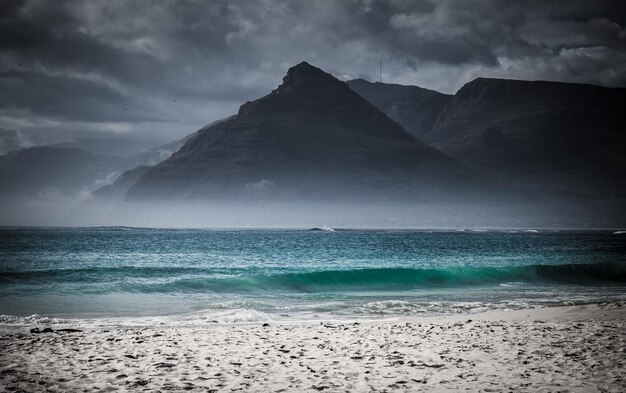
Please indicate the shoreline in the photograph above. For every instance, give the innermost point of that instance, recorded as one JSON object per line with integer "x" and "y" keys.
{"x": 192, "y": 320}
{"x": 573, "y": 348}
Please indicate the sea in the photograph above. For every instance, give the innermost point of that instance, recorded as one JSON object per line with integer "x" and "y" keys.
{"x": 139, "y": 276}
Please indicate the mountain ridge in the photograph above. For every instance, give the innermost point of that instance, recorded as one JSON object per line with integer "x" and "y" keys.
{"x": 413, "y": 107}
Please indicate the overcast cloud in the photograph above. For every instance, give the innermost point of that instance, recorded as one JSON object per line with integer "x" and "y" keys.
{"x": 162, "y": 69}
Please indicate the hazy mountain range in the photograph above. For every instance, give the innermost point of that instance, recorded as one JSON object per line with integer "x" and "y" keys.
{"x": 504, "y": 147}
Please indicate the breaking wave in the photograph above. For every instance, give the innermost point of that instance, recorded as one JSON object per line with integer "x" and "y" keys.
{"x": 176, "y": 279}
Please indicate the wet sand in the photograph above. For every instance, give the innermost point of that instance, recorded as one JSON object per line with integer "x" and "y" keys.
{"x": 562, "y": 349}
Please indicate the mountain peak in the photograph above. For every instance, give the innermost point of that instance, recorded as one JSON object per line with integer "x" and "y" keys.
{"x": 305, "y": 75}
{"x": 305, "y": 69}
{"x": 305, "y": 89}
{"x": 309, "y": 93}
{"x": 303, "y": 65}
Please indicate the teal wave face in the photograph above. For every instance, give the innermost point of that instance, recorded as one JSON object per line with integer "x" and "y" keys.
{"x": 404, "y": 278}
{"x": 167, "y": 280}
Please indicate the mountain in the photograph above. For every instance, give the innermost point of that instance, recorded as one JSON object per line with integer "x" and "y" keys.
{"x": 313, "y": 138}
{"x": 64, "y": 170}
{"x": 122, "y": 184}
{"x": 157, "y": 154}
{"x": 118, "y": 189}
{"x": 313, "y": 152}
{"x": 113, "y": 147}
{"x": 97, "y": 208}
{"x": 52, "y": 172}
{"x": 557, "y": 136}
{"x": 414, "y": 108}
{"x": 548, "y": 136}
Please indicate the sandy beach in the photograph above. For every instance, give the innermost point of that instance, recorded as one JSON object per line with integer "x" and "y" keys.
{"x": 563, "y": 349}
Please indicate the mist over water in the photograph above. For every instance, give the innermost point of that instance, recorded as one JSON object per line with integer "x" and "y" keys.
{"x": 306, "y": 214}
{"x": 247, "y": 275}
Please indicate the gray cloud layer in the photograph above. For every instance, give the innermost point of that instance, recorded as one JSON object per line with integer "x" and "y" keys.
{"x": 161, "y": 69}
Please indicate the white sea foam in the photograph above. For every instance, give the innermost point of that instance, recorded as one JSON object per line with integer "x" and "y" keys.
{"x": 243, "y": 315}
{"x": 234, "y": 304}
{"x": 385, "y": 307}
{"x": 515, "y": 305}
{"x": 469, "y": 307}
{"x": 513, "y": 284}
{"x": 14, "y": 320}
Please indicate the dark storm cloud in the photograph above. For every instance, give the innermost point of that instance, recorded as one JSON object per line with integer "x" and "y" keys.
{"x": 164, "y": 68}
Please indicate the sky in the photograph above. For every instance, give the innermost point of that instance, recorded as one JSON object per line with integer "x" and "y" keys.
{"x": 155, "y": 71}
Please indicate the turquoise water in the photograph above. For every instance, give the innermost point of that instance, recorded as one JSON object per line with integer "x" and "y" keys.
{"x": 228, "y": 275}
